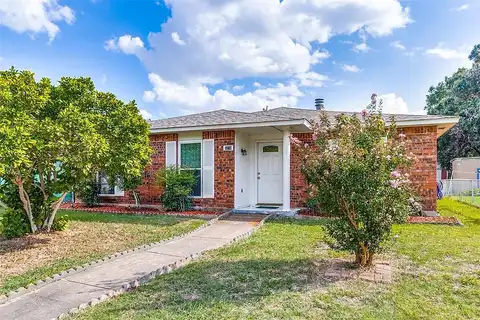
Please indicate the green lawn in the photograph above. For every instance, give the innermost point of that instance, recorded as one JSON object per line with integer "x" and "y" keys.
{"x": 278, "y": 274}
{"x": 475, "y": 200}
{"x": 90, "y": 236}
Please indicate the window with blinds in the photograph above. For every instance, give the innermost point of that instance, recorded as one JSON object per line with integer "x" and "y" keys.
{"x": 197, "y": 156}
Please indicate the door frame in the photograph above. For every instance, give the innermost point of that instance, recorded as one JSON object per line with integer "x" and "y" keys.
{"x": 257, "y": 142}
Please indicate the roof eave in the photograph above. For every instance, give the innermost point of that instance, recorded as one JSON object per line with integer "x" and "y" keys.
{"x": 297, "y": 122}
{"x": 442, "y": 124}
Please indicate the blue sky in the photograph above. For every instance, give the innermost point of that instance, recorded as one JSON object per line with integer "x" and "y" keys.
{"x": 181, "y": 56}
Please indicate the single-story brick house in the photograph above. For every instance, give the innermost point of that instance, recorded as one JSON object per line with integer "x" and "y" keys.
{"x": 242, "y": 159}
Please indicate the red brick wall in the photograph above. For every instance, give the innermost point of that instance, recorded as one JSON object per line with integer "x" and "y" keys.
{"x": 298, "y": 185}
{"x": 149, "y": 192}
{"x": 224, "y": 184}
{"x": 423, "y": 174}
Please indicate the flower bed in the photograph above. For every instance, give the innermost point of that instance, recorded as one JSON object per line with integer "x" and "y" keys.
{"x": 434, "y": 220}
{"x": 137, "y": 211}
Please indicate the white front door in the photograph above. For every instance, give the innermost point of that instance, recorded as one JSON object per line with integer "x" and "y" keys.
{"x": 269, "y": 173}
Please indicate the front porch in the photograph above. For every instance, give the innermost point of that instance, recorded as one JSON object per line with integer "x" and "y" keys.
{"x": 262, "y": 170}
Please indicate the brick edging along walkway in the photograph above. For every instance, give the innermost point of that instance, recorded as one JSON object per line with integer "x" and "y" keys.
{"x": 89, "y": 288}
{"x": 60, "y": 275}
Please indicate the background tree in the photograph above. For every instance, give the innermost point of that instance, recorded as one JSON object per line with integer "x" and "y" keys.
{"x": 458, "y": 95}
{"x": 355, "y": 177}
{"x": 54, "y": 138}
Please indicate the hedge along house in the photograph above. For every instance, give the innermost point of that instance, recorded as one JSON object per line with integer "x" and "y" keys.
{"x": 246, "y": 161}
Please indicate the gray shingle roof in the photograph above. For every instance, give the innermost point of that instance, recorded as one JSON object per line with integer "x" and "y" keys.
{"x": 211, "y": 118}
{"x": 226, "y": 117}
{"x": 295, "y": 113}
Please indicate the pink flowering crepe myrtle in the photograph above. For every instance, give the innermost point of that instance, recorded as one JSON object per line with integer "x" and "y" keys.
{"x": 356, "y": 172}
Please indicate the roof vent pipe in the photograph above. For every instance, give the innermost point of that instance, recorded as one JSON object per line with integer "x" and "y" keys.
{"x": 319, "y": 104}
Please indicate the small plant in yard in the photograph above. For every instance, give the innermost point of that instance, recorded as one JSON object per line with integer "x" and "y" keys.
{"x": 14, "y": 224}
{"x": 177, "y": 187}
{"x": 357, "y": 171}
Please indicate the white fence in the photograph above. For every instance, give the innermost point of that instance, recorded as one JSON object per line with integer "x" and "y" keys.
{"x": 466, "y": 190}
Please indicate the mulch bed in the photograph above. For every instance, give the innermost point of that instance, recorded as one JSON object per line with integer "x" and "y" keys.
{"x": 453, "y": 221}
{"x": 137, "y": 211}
{"x": 434, "y": 220}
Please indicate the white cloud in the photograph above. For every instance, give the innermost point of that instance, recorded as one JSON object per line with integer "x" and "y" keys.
{"x": 177, "y": 40}
{"x": 104, "y": 78}
{"x": 311, "y": 79}
{"x": 149, "y": 96}
{"x": 318, "y": 56}
{"x": 110, "y": 44}
{"x": 145, "y": 114}
{"x": 362, "y": 47}
{"x": 257, "y": 85}
{"x": 245, "y": 38}
{"x": 227, "y": 40}
{"x": 127, "y": 44}
{"x": 443, "y": 52}
{"x": 197, "y": 97}
{"x": 238, "y": 88}
{"x": 350, "y": 68}
{"x": 35, "y": 16}
{"x": 339, "y": 83}
{"x": 462, "y": 7}
{"x": 393, "y": 104}
{"x": 398, "y": 45}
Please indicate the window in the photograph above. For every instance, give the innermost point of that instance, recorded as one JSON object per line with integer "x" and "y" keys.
{"x": 270, "y": 149}
{"x": 191, "y": 159}
{"x": 198, "y": 156}
{"x": 106, "y": 189}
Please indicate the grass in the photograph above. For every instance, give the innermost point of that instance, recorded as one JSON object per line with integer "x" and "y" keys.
{"x": 475, "y": 200}
{"x": 278, "y": 274}
{"x": 90, "y": 236}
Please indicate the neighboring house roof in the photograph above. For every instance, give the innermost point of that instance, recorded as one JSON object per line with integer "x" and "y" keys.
{"x": 221, "y": 119}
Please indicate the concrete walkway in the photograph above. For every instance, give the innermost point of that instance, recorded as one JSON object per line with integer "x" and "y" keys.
{"x": 59, "y": 297}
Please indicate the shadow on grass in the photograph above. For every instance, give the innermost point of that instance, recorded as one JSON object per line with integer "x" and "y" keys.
{"x": 20, "y": 244}
{"x": 209, "y": 284}
{"x": 159, "y": 220}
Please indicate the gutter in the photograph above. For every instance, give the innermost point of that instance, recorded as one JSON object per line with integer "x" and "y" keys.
{"x": 298, "y": 122}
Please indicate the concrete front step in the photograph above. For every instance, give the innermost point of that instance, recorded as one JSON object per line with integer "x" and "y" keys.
{"x": 279, "y": 212}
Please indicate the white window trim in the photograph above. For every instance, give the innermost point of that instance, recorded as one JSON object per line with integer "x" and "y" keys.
{"x": 179, "y": 161}
{"x": 212, "y": 196}
{"x": 118, "y": 192}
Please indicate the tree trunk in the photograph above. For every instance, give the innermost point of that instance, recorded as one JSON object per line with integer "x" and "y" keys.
{"x": 137, "y": 199}
{"x": 55, "y": 207}
{"x": 27, "y": 206}
{"x": 363, "y": 256}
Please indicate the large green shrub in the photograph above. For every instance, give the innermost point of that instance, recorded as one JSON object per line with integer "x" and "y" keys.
{"x": 89, "y": 192}
{"x": 177, "y": 187}
{"x": 54, "y": 136}
{"x": 14, "y": 223}
{"x": 357, "y": 170}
